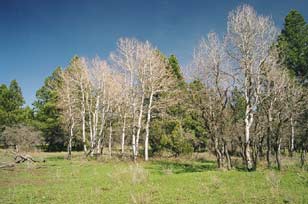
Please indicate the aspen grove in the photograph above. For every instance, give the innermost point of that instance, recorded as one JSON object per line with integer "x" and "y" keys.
{"x": 243, "y": 85}
{"x": 243, "y": 97}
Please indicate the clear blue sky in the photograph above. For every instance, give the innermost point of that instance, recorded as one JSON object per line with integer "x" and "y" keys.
{"x": 38, "y": 35}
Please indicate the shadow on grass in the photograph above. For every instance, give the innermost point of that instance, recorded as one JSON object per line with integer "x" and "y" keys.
{"x": 178, "y": 167}
{"x": 241, "y": 168}
{"x": 55, "y": 158}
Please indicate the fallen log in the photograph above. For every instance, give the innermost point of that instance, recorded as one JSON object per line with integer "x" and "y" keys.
{"x": 19, "y": 158}
{"x": 22, "y": 158}
{"x": 7, "y": 165}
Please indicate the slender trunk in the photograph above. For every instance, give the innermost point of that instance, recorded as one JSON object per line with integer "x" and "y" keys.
{"x": 278, "y": 148}
{"x": 249, "y": 94}
{"x": 249, "y": 162}
{"x": 95, "y": 123}
{"x": 303, "y": 157}
{"x": 134, "y": 133}
{"x": 291, "y": 150}
{"x": 242, "y": 145}
{"x": 101, "y": 131}
{"x": 255, "y": 155}
{"x": 110, "y": 138}
{"x": 84, "y": 133}
{"x": 69, "y": 146}
{"x": 69, "y": 149}
{"x": 83, "y": 112}
{"x": 101, "y": 146}
{"x": 218, "y": 154}
{"x": 268, "y": 138}
{"x": 139, "y": 124}
{"x": 123, "y": 135}
{"x": 268, "y": 151}
{"x": 98, "y": 146}
{"x": 228, "y": 158}
{"x": 89, "y": 105}
{"x": 278, "y": 141}
{"x": 260, "y": 147}
{"x": 72, "y": 125}
{"x": 248, "y": 122}
{"x": 133, "y": 107}
{"x": 146, "y": 141}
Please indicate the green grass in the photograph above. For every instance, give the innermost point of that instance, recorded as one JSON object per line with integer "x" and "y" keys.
{"x": 159, "y": 181}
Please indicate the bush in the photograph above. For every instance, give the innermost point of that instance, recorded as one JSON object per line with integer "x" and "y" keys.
{"x": 22, "y": 137}
{"x": 169, "y": 135}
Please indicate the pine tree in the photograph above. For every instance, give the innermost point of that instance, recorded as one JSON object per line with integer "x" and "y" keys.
{"x": 293, "y": 42}
{"x": 15, "y": 96}
{"x": 11, "y": 104}
{"x": 47, "y": 116}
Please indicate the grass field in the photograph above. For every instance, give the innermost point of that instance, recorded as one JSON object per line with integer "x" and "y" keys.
{"x": 158, "y": 181}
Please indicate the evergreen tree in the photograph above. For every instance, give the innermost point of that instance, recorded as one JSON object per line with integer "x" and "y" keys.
{"x": 46, "y": 113}
{"x": 4, "y": 101}
{"x": 16, "y": 97}
{"x": 11, "y": 102}
{"x": 176, "y": 70}
{"x": 293, "y": 42}
{"x": 179, "y": 131}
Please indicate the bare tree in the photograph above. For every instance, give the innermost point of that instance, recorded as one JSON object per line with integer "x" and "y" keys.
{"x": 250, "y": 38}
{"x": 123, "y": 107}
{"x": 98, "y": 101}
{"x": 78, "y": 77}
{"x": 22, "y": 137}
{"x": 213, "y": 70}
{"x": 158, "y": 80}
{"x": 68, "y": 106}
{"x": 129, "y": 57}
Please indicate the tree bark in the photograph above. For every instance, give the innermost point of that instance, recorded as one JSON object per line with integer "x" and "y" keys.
{"x": 228, "y": 158}
{"x": 268, "y": 151}
{"x": 255, "y": 153}
{"x": 123, "y": 135}
{"x": 69, "y": 146}
{"x": 139, "y": 125}
{"x": 303, "y": 157}
{"x": 268, "y": 138}
{"x": 291, "y": 150}
{"x": 101, "y": 134}
{"x": 71, "y": 133}
{"x": 147, "y": 129}
{"x": 134, "y": 133}
{"x": 83, "y": 112}
{"x": 278, "y": 148}
{"x": 248, "y": 123}
{"x": 218, "y": 154}
{"x": 110, "y": 138}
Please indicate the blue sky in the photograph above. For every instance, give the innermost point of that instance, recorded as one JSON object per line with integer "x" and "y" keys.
{"x": 36, "y": 36}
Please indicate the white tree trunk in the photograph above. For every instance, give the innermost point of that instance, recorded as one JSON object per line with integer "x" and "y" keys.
{"x": 72, "y": 125}
{"x": 69, "y": 147}
{"x": 139, "y": 124}
{"x": 134, "y": 133}
{"x": 95, "y": 120}
{"x": 83, "y": 113}
{"x": 101, "y": 131}
{"x": 147, "y": 129}
{"x": 248, "y": 123}
{"x": 123, "y": 135}
{"x": 110, "y": 138}
{"x": 89, "y": 104}
{"x": 292, "y": 136}
{"x": 84, "y": 133}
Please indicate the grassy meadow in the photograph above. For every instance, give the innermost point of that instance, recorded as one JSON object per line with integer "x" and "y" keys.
{"x": 193, "y": 179}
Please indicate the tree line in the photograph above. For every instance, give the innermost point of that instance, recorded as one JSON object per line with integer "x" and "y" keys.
{"x": 244, "y": 94}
